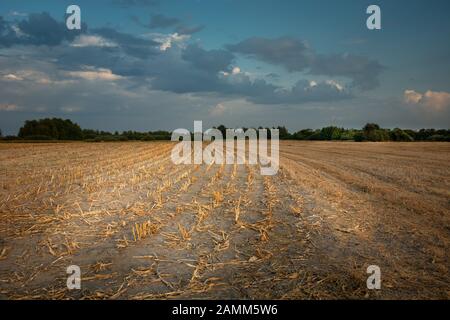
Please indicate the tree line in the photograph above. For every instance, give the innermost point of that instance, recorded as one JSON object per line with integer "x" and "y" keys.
{"x": 59, "y": 129}
{"x": 370, "y": 132}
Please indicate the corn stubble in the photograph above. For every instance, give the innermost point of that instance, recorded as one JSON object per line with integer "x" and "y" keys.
{"x": 141, "y": 227}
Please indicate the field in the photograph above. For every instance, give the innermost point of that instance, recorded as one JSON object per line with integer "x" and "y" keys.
{"x": 141, "y": 227}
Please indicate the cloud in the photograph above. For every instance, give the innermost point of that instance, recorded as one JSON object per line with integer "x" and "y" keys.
{"x": 37, "y": 29}
{"x": 296, "y": 55}
{"x": 182, "y": 29}
{"x": 42, "y": 29}
{"x": 291, "y": 53}
{"x": 8, "y": 36}
{"x": 95, "y": 74}
{"x": 218, "y": 110}
{"x": 12, "y": 77}
{"x": 304, "y": 91}
{"x": 8, "y": 107}
{"x": 236, "y": 70}
{"x": 162, "y": 21}
{"x": 167, "y": 40}
{"x": 92, "y": 41}
{"x": 437, "y": 101}
{"x": 363, "y": 71}
{"x": 134, "y": 46}
{"x": 153, "y": 61}
{"x": 412, "y": 97}
{"x": 27, "y": 75}
{"x": 212, "y": 61}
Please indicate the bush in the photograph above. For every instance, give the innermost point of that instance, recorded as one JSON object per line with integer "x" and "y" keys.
{"x": 148, "y": 138}
{"x": 359, "y": 137}
{"x": 315, "y": 136}
{"x": 11, "y": 138}
{"x": 303, "y": 134}
{"x": 438, "y": 137}
{"x": 38, "y": 137}
{"x": 400, "y": 135}
{"x": 331, "y": 133}
{"x": 348, "y": 135}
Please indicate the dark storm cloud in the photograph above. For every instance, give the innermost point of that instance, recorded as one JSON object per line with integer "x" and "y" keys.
{"x": 201, "y": 71}
{"x": 184, "y": 69}
{"x": 159, "y": 21}
{"x": 134, "y": 46}
{"x": 295, "y": 55}
{"x": 212, "y": 61}
{"x": 7, "y": 35}
{"x": 189, "y": 30}
{"x": 37, "y": 29}
{"x": 259, "y": 91}
{"x": 363, "y": 71}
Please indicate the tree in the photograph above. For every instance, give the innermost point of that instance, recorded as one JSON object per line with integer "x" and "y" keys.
{"x": 399, "y": 135}
{"x": 55, "y": 128}
{"x": 331, "y": 133}
{"x": 373, "y": 132}
{"x": 283, "y": 133}
{"x": 303, "y": 134}
{"x": 223, "y": 130}
{"x": 370, "y": 127}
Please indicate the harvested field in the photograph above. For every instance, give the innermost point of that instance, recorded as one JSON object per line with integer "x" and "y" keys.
{"x": 141, "y": 227}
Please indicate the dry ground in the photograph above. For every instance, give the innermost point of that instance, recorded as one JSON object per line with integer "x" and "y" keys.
{"x": 141, "y": 227}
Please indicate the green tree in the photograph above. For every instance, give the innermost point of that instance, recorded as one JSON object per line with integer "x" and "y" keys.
{"x": 55, "y": 128}
{"x": 373, "y": 132}
{"x": 284, "y": 133}
{"x": 399, "y": 135}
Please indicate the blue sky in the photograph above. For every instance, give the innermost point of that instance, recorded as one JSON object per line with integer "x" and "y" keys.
{"x": 154, "y": 64}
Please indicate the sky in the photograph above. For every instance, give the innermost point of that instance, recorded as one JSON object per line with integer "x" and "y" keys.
{"x": 161, "y": 64}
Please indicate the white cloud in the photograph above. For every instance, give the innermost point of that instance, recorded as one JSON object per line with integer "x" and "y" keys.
{"x": 92, "y": 41}
{"x": 412, "y": 97}
{"x": 95, "y": 74}
{"x": 437, "y": 100}
{"x": 12, "y": 77}
{"x": 218, "y": 110}
{"x": 168, "y": 40}
{"x": 28, "y": 75}
{"x": 236, "y": 70}
{"x": 335, "y": 84}
{"x": 434, "y": 100}
{"x": 8, "y": 107}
